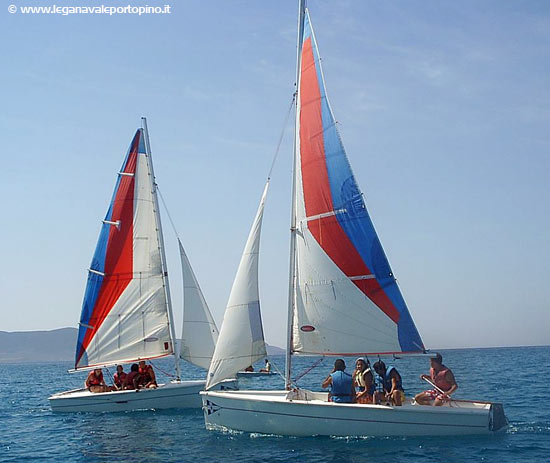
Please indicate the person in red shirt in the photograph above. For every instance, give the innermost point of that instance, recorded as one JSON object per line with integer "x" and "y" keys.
{"x": 133, "y": 378}
{"x": 445, "y": 381}
{"x": 119, "y": 377}
{"x": 95, "y": 382}
{"x": 147, "y": 376}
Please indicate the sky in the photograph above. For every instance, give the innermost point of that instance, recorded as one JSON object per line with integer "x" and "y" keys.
{"x": 443, "y": 107}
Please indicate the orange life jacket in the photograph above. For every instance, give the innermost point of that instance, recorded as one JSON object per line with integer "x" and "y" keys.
{"x": 146, "y": 372}
{"x": 119, "y": 379}
{"x": 130, "y": 379}
{"x": 93, "y": 380}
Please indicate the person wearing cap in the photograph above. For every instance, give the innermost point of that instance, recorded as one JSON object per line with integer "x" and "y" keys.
{"x": 363, "y": 380}
{"x": 444, "y": 380}
{"x": 391, "y": 384}
{"x": 340, "y": 383}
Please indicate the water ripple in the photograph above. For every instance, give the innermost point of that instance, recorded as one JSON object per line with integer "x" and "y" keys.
{"x": 30, "y": 432}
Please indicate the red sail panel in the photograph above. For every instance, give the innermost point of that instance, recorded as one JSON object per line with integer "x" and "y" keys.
{"x": 316, "y": 188}
{"x": 119, "y": 255}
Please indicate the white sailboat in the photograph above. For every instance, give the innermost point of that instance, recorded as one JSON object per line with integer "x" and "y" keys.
{"x": 127, "y": 311}
{"x": 343, "y": 297}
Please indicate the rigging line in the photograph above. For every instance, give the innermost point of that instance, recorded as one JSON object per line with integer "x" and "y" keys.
{"x": 161, "y": 370}
{"x": 277, "y": 370}
{"x": 168, "y": 213}
{"x": 111, "y": 375}
{"x": 315, "y": 365}
{"x": 282, "y": 136}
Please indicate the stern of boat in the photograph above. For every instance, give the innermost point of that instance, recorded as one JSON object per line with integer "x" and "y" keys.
{"x": 497, "y": 418}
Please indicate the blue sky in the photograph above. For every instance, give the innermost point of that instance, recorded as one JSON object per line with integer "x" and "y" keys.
{"x": 444, "y": 109}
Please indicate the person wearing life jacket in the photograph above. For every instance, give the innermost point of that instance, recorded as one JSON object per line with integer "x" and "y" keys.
{"x": 119, "y": 377}
{"x": 340, "y": 383}
{"x": 132, "y": 379}
{"x": 364, "y": 381}
{"x": 95, "y": 382}
{"x": 391, "y": 386}
{"x": 148, "y": 378}
{"x": 444, "y": 380}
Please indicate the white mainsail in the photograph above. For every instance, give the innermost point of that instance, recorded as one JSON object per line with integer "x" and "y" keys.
{"x": 125, "y": 309}
{"x": 241, "y": 341}
{"x": 199, "y": 333}
{"x": 346, "y": 298}
{"x": 127, "y": 313}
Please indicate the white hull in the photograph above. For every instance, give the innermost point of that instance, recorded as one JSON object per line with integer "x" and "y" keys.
{"x": 270, "y": 412}
{"x": 177, "y": 394}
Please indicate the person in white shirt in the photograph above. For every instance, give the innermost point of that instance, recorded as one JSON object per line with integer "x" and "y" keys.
{"x": 266, "y": 368}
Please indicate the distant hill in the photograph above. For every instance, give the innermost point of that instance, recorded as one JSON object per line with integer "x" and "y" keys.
{"x": 51, "y": 346}
{"x": 274, "y": 350}
{"x": 37, "y": 346}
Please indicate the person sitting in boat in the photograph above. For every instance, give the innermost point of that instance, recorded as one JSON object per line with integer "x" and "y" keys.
{"x": 363, "y": 380}
{"x": 95, "y": 382}
{"x": 391, "y": 386}
{"x": 249, "y": 368}
{"x": 340, "y": 383}
{"x": 267, "y": 368}
{"x": 133, "y": 378}
{"x": 444, "y": 380}
{"x": 147, "y": 376}
{"x": 119, "y": 377}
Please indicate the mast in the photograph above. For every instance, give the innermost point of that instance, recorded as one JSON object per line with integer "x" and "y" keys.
{"x": 161, "y": 244}
{"x": 292, "y": 270}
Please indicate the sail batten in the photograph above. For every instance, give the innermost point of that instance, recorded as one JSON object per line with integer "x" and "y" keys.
{"x": 337, "y": 242}
{"x": 241, "y": 341}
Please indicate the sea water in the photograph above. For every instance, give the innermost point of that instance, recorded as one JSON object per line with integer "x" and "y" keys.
{"x": 517, "y": 377}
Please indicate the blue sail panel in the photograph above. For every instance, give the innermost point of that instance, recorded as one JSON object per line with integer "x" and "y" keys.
{"x": 96, "y": 280}
{"x": 354, "y": 219}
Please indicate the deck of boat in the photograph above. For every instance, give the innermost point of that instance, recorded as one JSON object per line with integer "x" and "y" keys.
{"x": 321, "y": 398}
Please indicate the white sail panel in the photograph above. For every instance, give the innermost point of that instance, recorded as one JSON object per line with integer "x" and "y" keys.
{"x": 199, "y": 333}
{"x": 241, "y": 341}
{"x": 333, "y": 316}
{"x": 136, "y": 323}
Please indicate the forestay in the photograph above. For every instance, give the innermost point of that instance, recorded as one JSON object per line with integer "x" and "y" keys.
{"x": 241, "y": 341}
{"x": 124, "y": 312}
{"x": 346, "y": 298}
{"x": 199, "y": 329}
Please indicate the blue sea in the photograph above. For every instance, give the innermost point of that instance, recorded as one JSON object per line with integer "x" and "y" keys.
{"x": 517, "y": 377}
